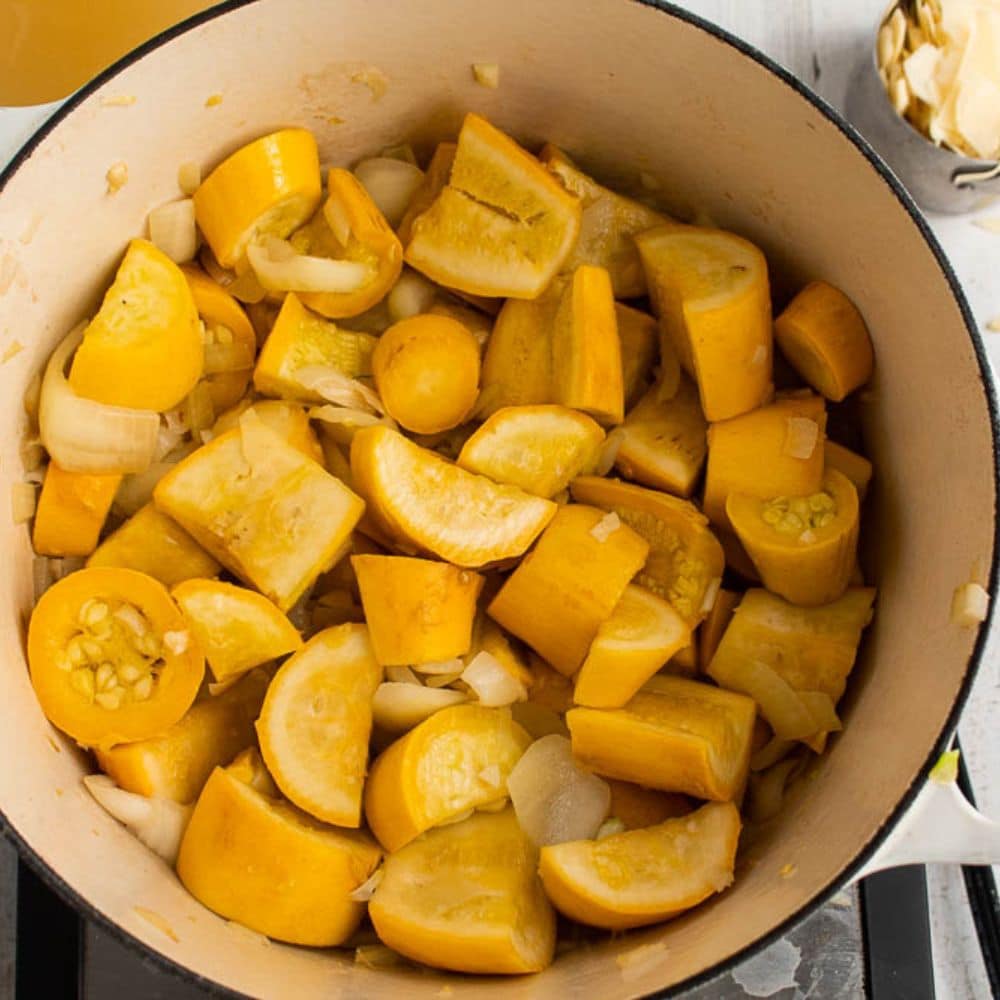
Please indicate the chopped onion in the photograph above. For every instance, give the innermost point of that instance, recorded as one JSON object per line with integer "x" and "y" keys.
{"x": 335, "y": 387}
{"x": 767, "y": 788}
{"x": 555, "y": 800}
{"x": 609, "y": 452}
{"x": 391, "y": 184}
{"x": 172, "y": 431}
{"x": 22, "y": 502}
{"x": 158, "y": 823}
{"x": 172, "y": 230}
{"x": 774, "y": 750}
{"x": 199, "y": 413}
{"x": 492, "y": 684}
{"x": 31, "y": 396}
{"x": 189, "y": 177}
{"x": 969, "y": 605}
{"x": 377, "y": 956}
{"x": 302, "y": 272}
{"x": 232, "y": 357}
{"x": 401, "y": 151}
{"x": 247, "y": 288}
{"x": 342, "y": 422}
{"x": 215, "y": 688}
{"x": 411, "y": 295}
{"x": 366, "y": 890}
{"x": 32, "y": 454}
{"x": 609, "y": 828}
{"x": 801, "y": 437}
{"x": 711, "y": 593}
{"x": 218, "y": 274}
{"x": 401, "y": 675}
{"x": 606, "y": 527}
{"x": 399, "y": 706}
{"x": 454, "y": 665}
{"x": 85, "y": 436}
{"x": 821, "y": 707}
{"x": 137, "y": 490}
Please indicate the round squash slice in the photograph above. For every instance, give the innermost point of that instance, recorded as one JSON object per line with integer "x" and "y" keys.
{"x": 111, "y": 658}
{"x": 804, "y": 547}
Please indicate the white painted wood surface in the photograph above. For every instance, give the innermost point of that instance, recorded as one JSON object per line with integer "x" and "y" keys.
{"x": 819, "y": 41}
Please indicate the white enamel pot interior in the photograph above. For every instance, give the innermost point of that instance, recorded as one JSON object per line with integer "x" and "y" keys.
{"x": 626, "y": 87}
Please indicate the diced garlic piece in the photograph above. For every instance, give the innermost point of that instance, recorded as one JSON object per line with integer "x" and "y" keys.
{"x": 411, "y": 295}
{"x": 172, "y": 229}
{"x": 487, "y": 74}
{"x": 366, "y": 890}
{"x": 606, "y": 527}
{"x": 189, "y": 177}
{"x": 609, "y": 828}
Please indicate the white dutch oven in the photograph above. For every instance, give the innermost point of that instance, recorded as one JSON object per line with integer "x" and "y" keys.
{"x": 625, "y": 86}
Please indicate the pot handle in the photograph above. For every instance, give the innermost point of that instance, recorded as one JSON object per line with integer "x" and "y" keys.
{"x": 940, "y": 827}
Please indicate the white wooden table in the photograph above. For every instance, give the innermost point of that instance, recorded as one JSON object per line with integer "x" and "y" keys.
{"x": 819, "y": 41}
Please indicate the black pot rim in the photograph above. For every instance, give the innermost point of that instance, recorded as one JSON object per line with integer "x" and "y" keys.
{"x": 943, "y": 739}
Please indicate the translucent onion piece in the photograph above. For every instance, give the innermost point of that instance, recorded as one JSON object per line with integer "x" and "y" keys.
{"x": 158, "y": 823}
{"x": 336, "y": 387}
{"x": 711, "y": 593}
{"x": 377, "y": 956}
{"x": 411, "y": 295}
{"x": 487, "y": 74}
{"x": 215, "y": 688}
{"x": 304, "y": 273}
{"x": 391, "y": 184}
{"x": 441, "y": 680}
{"x": 555, "y": 800}
{"x": 31, "y": 397}
{"x": 342, "y": 421}
{"x": 776, "y": 749}
{"x": 136, "y": 491}
{"x": 199, "y": 412}
{"x": 609, "y": 452}
{"x": 609, "y": 828}
{"x": 22, "y": 502}
{"x": 172, "y": 229}
{"x": 366, "y": 890}
{"x": 767, "y": 788}
{"x": 399, "y": 706}
{"x": 451, "y": 666}
{"x": 401, "y": 675}
{"x": 232, "y": 357}
{"x": 539, "y": 720}
{"x": 85, "y": 436}
{"x": 491, "y": 683}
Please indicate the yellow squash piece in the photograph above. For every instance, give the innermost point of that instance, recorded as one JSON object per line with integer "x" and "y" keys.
{"x": 685, "y": 559}
{"x": 537, "y": 448}
{"x": 111, "y": 658}
{"x": 153, "y": 543}
{"x": 639, "y": 338}
{"x": 458, "y": 759}
{"x": 302, "y": 340}
{"x": 316, "y": 721}
{"x": 805, "y": 548}
{"x": 268, "y": 187}
{"x": 774, "y": 451}
{"x": 709, "y": 289}
{"x": 643, "y": 876}
{"x": 639, "y": 807}
{"x": 143, "y": 349}
{"x": 352, "y": 228}
{"x": 237, "y": 629}
{"x": 684, "y": 663}
{"x": 429, "y": 505}
{"x": 675, "y": 734}
{"x": 177, "y": 764}
{"x": 435, "y": 178}
{"x": 569, "y": 584}
{"x": 824, "y": 337}
{"x": 502, "y": 226}
{"x": 607, "y": 226}
{"x": 230, "y": 341}
{"x": 776, "y": 652}
{"x": 418, "y": 610}
{"x": 586, "y": 351}
{"x": 716, "y": 623}
{"x": 255, "y": 859}
{"x": 664, "y": 440}
{"x": 426, "y": 371}
{"x": 856, "y": 467}
{"x": 288, "y": 420}
{"x": 269, "y": 514}
{"x": 71, "y": 511}
{"x": 517, "y": 365}
{"x": 643, "y": 632}
{"x": 467, "y": 898}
